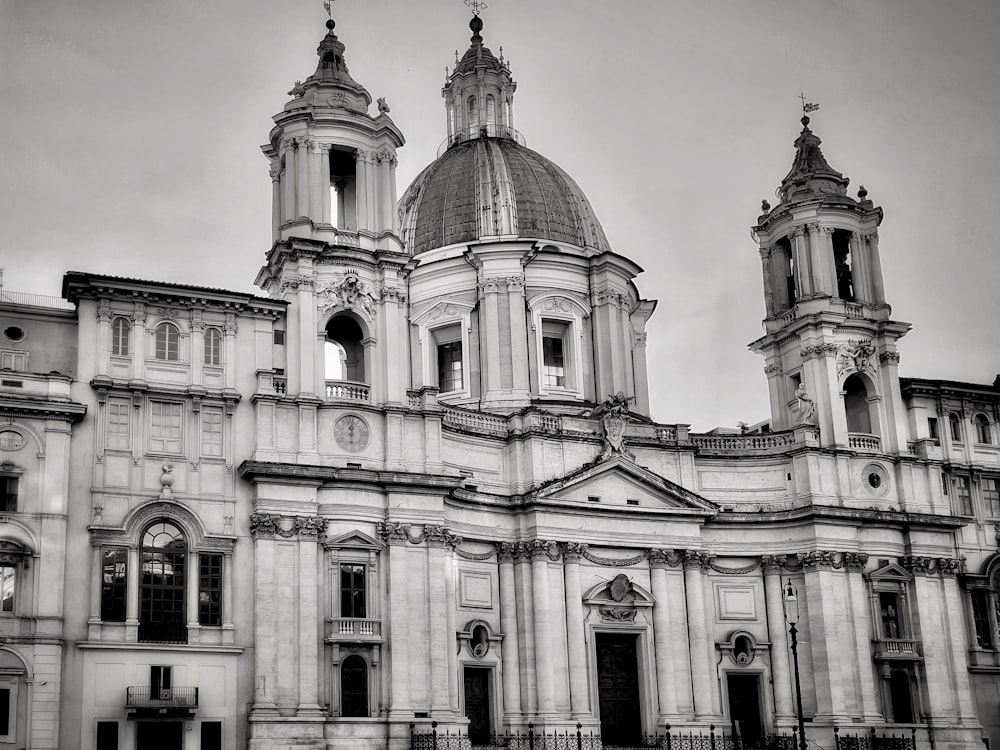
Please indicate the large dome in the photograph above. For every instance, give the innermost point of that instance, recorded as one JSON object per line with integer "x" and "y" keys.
{"x": 495, "y": 187}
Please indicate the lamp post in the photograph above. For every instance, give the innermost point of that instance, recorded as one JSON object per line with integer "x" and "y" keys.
{"x": 792, "y": 618}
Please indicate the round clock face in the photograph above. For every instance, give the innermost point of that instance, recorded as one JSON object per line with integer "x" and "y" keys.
{"x": 351, "y": 433}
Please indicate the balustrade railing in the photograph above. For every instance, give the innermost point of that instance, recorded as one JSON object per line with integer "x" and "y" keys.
{"x": 347, "y": 390}
{"x": 739, "y": 443}
{"x": 473, "y": 421}
{"x": 896, "y": 647}
{"x": 864, "y": 442}
{"x": 342, "y": 628}
{"x": 143, "y": 696}
{"x": 484, "y": 130}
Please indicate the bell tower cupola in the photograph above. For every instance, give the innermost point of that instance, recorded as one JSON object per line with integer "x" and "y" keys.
{"x": 829, "y": 343}
{"x": 333, "y": 165}
{"x": 479, "y": 92}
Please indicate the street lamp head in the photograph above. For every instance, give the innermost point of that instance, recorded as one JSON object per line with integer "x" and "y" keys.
{"x": 791, "y": 603}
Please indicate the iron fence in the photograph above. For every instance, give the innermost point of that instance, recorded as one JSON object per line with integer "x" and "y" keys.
{"x": 579, "y": 740}
{"x": 871, "y": 740}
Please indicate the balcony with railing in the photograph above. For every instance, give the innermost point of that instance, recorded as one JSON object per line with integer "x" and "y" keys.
{"x": 347, "y": 390}
{"x": 177, "y": 701}
{"x": 353, "y": 630}
{"x": 481, "y": 130}
{"x": 904, "y": 649}
{"x": 863, "y": 441}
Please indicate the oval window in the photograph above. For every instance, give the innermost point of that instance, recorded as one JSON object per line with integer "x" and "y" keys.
{"x": 14, "y": 333}
{"x": 11, "y": 440}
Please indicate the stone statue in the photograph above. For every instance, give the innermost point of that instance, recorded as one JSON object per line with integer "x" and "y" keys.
{"x": 383, "y": 108}
{"x": 805, "y": 406}
{"x": 297, "y": 90}
{"x": 166, "y": 480}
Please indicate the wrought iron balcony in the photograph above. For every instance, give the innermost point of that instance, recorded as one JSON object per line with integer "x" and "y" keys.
{"x": 347, "y": 390}
{"x": 353, "y": 629}
{"x": 142, "y": 699}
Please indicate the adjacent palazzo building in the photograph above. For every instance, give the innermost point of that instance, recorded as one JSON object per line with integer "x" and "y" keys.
{"x": 417, "y": 479}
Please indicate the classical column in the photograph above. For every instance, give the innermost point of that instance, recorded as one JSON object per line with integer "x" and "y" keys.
{"x": 526, "y": 621}
{"x": 361, "y": 188}
{"x": 662, "y": 637}
{"x": 860, "y": 270}
{"x": 437, "y": 600}
{"x": 878, "y": 284}
{"x": 949, "y": 568}
{"x": 451, "y": 627}
{"x": 765, "y": 259}
{"x": 701, "y": 668}
{"x": 227, "y": 590}
{"x": 288, "y": 181}
{"x": 385, "y": 192}
{"x": 307, "y": 330}
{"x": 829, "y": 630}
{"x": 508, "y": 624}
{"x": 854, "y": 562}
{"x": 229, "y": 330}
{"x": 275, "y": 173}
{"x": 801, "y": 255}
{"x": 776, "y": 633}
{"x": 396, "y": 535}
{"x": 265, "y": 635}
{"x": 325, "y": 201}
{"x": 817, "y": 264}
{"x": 139, "y": 340}
{"x": 340, "y": 185}
{"x": 311, "y": 531}
{"x": 316, "y": 182}
{"x": 576, "y": 643}
{"x": 302, "y": 176}
{"x": 544, "y": 670}
{"x": 96, "y": 577}
{"x": 103, "y": 335}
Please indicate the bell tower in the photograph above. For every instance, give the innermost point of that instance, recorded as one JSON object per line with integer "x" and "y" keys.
{"x": 336, "y": 255}
{"x": 829, "y": 344}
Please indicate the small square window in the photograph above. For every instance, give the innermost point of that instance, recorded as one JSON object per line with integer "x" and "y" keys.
{"x": 279, "y": 338}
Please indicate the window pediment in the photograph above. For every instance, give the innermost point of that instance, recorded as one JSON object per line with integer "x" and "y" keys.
{"x": 355, "y": 540}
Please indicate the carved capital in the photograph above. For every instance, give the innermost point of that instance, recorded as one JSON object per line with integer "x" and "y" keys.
{"x": 540, "y": 549}
{"x": 263, "y": 525}
{"x": 817, "y": 559}
{"x": 771, "y": 564}
{"x": 573, "y": 551}
{"x": 139, "y": 313}
{"x": 230, "y": 326}
{"x": 310, "y": 527}
{"x": 889, "y": 358}
{"x": 104, "y": 310}
{"x": 855, "y": 560}
{"x": 507, "y": 552}
{"x": 696, "y": 559}
{"x": 664, "y": 558}
{"x": 393, "y": 533}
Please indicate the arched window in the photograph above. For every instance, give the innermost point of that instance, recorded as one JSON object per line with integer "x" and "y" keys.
{"x": 491, "y": 110}
{"x": 473, "y": 116}
{"x": 120, "y": 330}
{"x": 335, "y": 361}
{"x": 353, "y": 686}
{"x": 345, "y": 333}
{"x": 167, "y": 342}
{"x": 161, "y": 598}
{"x": 213, "y": 347}
{"x": 956, "y": 427}
{"x": 856, "y": 405}
{"x": 982, "y": 424}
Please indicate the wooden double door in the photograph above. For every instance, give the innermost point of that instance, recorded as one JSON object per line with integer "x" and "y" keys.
{"x": 618, "y": 689}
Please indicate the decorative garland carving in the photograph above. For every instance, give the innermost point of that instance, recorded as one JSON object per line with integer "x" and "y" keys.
{"x": 925, "y": 566}
{"x": 477, "y": 556}
{"x": 831, "y": 560}
{"x": 613, "y": 562}
{"x": 811, "y": 351}
{"x": 270, "y": 525}
{"x": 664, "y": 558}
{"x": 346, "y": 290}
{"x": 734, "y": 571}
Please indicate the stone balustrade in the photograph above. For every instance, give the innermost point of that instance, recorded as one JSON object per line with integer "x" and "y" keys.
{"x": 347, "y": 390}
{"x": 354, "y": 629}
{"x": 864, "y": 442}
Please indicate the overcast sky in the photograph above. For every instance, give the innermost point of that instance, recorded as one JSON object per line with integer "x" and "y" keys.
{"x": 129, "y": 145}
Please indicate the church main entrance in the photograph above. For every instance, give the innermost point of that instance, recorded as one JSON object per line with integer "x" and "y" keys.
{"x": 744, "y": 707}
{"x": 477, "y": 705}
{"x": 618, "y": 689}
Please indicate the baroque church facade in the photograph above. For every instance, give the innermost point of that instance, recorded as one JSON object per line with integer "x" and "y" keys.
{"x": 417, "y": 480}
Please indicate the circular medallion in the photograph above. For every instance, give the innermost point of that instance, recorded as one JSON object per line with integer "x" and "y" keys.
{"x": 351, "y": 433}
{"x": 10, "y": 440}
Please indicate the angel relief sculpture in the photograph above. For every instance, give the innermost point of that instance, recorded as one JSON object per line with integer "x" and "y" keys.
{"x": 347, "y": 291}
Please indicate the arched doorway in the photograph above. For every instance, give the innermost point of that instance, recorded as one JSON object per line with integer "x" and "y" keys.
{"x": 354, "y": 686}
{"x": 343, "y": 337}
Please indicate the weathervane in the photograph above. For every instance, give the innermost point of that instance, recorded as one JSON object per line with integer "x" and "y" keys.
{"x": 807, "y": 107}
{"x": 477, "y": 6}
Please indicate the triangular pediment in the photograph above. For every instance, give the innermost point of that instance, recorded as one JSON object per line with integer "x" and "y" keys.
{"x": 354, "y": 540}
{"x": 621, "y": 482}
{"x": 891, "y": 572}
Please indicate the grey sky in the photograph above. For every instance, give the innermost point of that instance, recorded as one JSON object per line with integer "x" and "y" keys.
{"x": 130, "y": 145}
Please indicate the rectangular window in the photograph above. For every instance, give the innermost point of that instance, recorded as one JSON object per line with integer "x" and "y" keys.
{"x": 981, "y": 618}
{"x": 211, "y": 735}
{"x": 554, "y": 352}
{"x": 118, "y": 424}
{"x": 119, "y": 337}
{"x": 107, "y": 735}
{"x": 932, "y": 430}
{"x": 114, "y": 577}
{"x": 8, "y": 494}
{"x": 164, "y": 427}
{"x": 211, "y": 431}
{"x": 209, "y": 589}
{"x": 963, "y": 496}
{"x": 991, "y": 496}
{"x": 11, "y": 360}
{"x": 279, "y": 338}
{"x": 213, "y": 347}
{"x": 450, "y": 366}
{"x": 352, "y": 590}
{"x": 8, "y": 575}
{"x": 892, "y": 618}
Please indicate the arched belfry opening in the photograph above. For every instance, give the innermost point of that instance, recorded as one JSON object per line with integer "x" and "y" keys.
{"x": 344, "y": 351}
{"x": 343, "y": 189}
{"x": 858, "y": 405}
{"x": 843, "y": 262}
